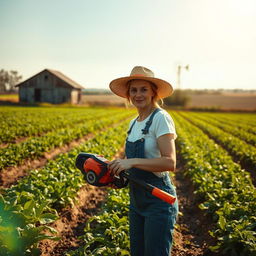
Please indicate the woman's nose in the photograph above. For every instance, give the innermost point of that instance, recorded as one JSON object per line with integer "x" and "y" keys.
{"x": 138, "y": 93}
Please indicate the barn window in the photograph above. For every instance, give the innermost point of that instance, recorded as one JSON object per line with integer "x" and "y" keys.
{"x": 45, "y": 77}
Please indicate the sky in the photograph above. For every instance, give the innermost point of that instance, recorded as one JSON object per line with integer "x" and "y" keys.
{"x": 96, "y": 41}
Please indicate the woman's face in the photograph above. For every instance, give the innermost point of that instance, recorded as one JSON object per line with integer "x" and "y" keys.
{"x": 141, "y": 93}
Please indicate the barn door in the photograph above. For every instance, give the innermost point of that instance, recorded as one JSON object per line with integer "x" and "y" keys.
{"x": 37, "y": 95}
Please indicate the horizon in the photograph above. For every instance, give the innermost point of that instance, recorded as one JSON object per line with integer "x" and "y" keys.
{"x": 185, "y": 89}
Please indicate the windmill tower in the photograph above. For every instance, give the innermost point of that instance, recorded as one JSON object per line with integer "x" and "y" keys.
{"x": 179, "y": 73}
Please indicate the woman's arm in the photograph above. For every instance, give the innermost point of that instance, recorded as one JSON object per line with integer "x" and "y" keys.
{"x": 167, "y": 161}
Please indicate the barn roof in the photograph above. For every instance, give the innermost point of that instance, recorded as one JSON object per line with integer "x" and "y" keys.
{"x": 61, "y": 76}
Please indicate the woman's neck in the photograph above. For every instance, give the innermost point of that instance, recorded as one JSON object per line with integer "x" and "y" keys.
{"x": 145, "y": 112}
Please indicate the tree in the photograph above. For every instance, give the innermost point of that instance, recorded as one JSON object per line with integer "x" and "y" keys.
{"x": 179, "y": 98}
{"x": 8, "y": 80}
{"x": 3, "y": 80}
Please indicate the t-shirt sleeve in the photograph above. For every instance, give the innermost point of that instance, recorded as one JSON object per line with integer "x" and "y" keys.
{"x": 164, "y": 124}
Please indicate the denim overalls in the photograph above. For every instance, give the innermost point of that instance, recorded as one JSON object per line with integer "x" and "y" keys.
{"x": 151, "y": 219}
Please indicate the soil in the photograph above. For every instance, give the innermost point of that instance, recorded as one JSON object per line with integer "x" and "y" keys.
{"x": 249, "y": 167}
{"x": 10, "y": 175}
{"x": 191, "y": 237}
{"x": 15, "y": 141}
{"x": 72, "y": 221}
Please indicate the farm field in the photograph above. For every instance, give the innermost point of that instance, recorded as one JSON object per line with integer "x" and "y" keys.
{"x": 227, "y": 101}
{"x": 47, "y": 209}
{"x": 222, "y": 100}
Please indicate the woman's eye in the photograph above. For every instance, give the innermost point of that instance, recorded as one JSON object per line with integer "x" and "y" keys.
{"x": 134, "y": 90}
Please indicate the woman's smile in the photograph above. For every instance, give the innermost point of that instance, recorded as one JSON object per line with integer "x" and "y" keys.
{"x": 139, "y": 100}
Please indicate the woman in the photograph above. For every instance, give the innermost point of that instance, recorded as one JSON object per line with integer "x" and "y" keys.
{"x": 150, "y": 154}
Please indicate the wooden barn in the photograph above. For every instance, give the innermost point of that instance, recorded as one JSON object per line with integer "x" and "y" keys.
{"x": 50, "y": 86}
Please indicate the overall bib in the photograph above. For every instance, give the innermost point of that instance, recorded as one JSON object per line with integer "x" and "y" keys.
{"x": 151, "y": 219}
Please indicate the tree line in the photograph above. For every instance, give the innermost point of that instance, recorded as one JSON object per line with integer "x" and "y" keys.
{"x": 8, "y": 80}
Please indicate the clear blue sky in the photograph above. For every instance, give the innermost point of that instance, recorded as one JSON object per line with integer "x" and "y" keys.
{"x": 96, "y": 41}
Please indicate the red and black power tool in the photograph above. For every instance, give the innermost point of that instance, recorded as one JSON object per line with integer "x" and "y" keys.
{"x": 95, "y": 170}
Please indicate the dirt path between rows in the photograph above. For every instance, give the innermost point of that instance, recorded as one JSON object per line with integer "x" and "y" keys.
{"x": 72, "y": 221}
{"x": 10, "y": 175}
{"x": 191, "y": 237}
{"x": 246, "y": 164}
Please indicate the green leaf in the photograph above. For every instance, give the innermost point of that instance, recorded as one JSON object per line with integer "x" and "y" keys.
{"x": 29, "y": 205}
{"x": 47, "y": 218}
{"x": 222, "y": 222}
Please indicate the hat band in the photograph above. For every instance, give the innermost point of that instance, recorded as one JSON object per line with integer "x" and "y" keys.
{"x": 138, "y": 75}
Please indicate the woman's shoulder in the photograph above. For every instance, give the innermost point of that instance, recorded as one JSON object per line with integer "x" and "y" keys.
{"x": 163, "y": 124}
{"x": 132, "y": 121}
{"x": 163, "y": 115}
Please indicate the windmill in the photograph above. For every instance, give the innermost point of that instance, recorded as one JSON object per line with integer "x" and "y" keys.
{"x": 179, "y": 73}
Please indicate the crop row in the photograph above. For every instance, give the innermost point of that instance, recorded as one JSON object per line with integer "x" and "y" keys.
{"x": 33, "y": 203}
{"x": 246, "y": 125}
{"x": 243, "y": 152}
{"x": 248, "y": 119}
{"x": 229, "y": 128}
{"x": 36, "y": 146}
{"x": 24, "y": 122}
{"x": 225, "y": 189}
{"x": 239, "y": 123}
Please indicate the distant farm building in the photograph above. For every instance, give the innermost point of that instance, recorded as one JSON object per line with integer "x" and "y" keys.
{"x": 50, "y": 86}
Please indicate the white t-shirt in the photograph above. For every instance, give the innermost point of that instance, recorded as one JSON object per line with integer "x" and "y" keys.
{"x": 162, "y": 123}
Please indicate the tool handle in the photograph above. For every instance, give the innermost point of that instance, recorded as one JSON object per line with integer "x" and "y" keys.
{"x": 168, "y": 198}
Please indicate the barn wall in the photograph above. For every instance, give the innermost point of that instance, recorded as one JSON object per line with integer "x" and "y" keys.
{"x": 52, "y": 90}
{"x": 74, "y": 96}
{"x": 26, "y": 94}
{"x": 61, "y": 95}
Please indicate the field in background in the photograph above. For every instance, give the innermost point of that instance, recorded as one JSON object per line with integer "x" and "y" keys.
{"x": 221, "y": 101}
{"x": 40, "y": 183}
{"x": 9, "y": 97}
{"x": 103, "y": 100}
{"x": 224, "y": 101}
{"x": 227, "y": 101}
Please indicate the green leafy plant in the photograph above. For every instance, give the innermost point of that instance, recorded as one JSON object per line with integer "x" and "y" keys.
{"x": 225, "y": 189}
{"x": 20, "y": 231}
{"x": 35, "y": 199}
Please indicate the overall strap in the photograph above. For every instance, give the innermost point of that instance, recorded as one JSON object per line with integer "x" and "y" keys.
{"x": 149, "y": 122}
{"x": 132, "y": 125}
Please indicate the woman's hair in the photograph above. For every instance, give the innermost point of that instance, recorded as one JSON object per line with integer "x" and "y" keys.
{"x": 154, "y": 89}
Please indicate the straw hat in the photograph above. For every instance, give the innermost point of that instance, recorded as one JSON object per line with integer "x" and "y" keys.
{"x": 119, "y": 85}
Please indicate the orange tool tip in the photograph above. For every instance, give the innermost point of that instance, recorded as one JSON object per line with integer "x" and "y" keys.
{"x": 163, "y": 195}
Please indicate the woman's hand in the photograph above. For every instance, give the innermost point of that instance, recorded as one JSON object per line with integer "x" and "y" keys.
{"x": 118, "y": 165}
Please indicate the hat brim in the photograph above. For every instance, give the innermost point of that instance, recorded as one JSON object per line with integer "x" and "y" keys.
{"x": 119, "y": 86}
